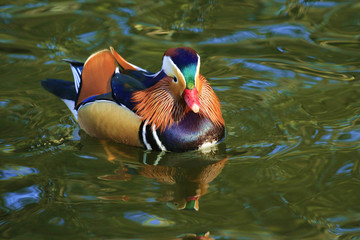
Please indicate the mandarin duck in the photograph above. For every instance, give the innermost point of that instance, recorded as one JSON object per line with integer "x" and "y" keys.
{"x": 174, "y": 109}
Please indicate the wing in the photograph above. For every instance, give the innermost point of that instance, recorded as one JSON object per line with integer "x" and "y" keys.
{"x": 123, "y": 87}
{"x": 96, "y": 76}
{"x": 100, "y": 76}
{"x": 147, "y": 78}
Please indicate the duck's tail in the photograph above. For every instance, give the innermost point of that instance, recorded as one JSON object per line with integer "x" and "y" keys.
{"x": 64, "y": 90}
{"x": 76, "y": 68}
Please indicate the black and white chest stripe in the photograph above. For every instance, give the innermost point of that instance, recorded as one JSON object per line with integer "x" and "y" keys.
{"x": 193, "y": 132}
{"x": 149, "y": 137}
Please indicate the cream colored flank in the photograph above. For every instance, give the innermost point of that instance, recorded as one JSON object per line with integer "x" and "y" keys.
{"x": 108, "y": 120}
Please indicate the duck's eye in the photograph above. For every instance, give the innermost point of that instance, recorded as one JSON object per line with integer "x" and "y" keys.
{"x": 175, "y": 80}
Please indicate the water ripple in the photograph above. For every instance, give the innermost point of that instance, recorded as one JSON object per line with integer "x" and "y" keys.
{"x": 264, "y": 32}
{"x": 19, "y": 199}
{"x": 147, "y": 219}
{"x": 10, "y": 172}
{"x": 287, "y": 74}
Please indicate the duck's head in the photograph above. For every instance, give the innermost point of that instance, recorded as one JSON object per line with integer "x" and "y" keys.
{"x": 183, "y": 65}
{"x": 181, "y": 90}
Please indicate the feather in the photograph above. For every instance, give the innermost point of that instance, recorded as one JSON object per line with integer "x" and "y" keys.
{"x": 159, "y": 107}
{"x": 76, "y": 69}
{"x": 123, "y": 63}
{"x": 64, "y": 90}
{"x": 209, "y": 102}
{"x": 96, "y": 75}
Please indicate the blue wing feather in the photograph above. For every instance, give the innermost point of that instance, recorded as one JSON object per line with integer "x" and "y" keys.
{"x": 123, "y": 87}
{"x": 148, "y": 79}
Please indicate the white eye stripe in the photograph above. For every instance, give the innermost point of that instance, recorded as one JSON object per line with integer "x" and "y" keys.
{"x": 197, "y": 73}
{"x": 169, "y": 66}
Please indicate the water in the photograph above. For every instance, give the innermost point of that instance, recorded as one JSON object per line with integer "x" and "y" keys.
{"x": 287, "y": 75}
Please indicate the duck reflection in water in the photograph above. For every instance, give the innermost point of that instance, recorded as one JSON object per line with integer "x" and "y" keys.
{"x": 188, "y": 173}
{"x": 197, "y": 236}
{"x": 190, "y": 180}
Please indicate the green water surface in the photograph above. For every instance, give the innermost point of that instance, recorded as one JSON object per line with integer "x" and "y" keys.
{"x": 287, "y": 73}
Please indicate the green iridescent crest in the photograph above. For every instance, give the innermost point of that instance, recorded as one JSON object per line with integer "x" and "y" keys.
{"x": 189, "y": 75}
